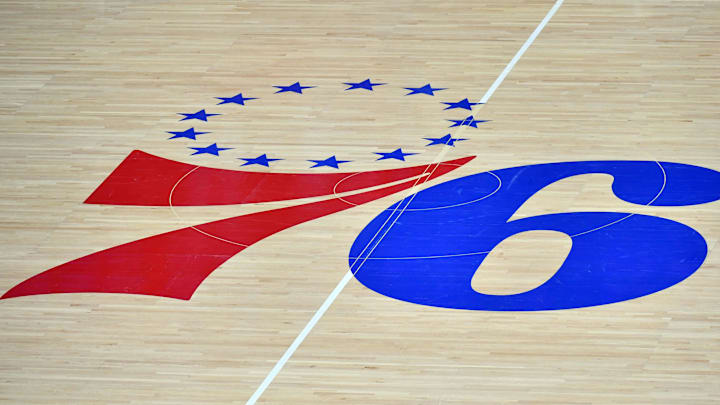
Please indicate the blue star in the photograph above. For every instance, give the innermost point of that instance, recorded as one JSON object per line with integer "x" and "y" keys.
{"x": 212, "y": 150}
{"x": 236, "y": 99}
{"x": 466, "y": 104}
{"x": 469, "y": 121}
{"x": 426, "y": 89}
{"x": 365, "y": 84}
{"x": 396, "y": 154}
{"x": 331, "y": 162}
{"x": 188, "y": 133}
{"x": 295, "y": 88}
{"x": 261, "y": 160}
{"x": 200, "y": 115}
{"x": 445, "y": 140}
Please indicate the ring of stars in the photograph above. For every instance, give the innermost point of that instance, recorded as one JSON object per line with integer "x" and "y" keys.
{"x": 333, "y": 162}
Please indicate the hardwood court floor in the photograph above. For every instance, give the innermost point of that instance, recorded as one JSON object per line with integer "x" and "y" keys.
{"x": 83, "y": 83}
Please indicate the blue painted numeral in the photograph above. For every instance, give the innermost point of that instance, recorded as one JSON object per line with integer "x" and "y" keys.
{"x": 426, "y": 248}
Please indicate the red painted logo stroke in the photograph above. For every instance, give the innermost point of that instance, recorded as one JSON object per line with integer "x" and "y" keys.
{"x": 175, "y": 263}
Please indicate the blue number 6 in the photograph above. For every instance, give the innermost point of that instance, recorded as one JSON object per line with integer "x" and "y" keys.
{"x": 426, "y": 248}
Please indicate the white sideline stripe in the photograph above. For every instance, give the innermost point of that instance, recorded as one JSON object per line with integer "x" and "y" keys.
{"x": 299, "y": 339}
{"x": 520, "y": 52}
{"x": 349, "y": 275}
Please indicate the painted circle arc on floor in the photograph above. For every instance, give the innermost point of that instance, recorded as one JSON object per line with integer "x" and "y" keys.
{"x": 430, "y": 257}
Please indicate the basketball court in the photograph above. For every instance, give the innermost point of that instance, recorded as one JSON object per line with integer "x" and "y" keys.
{"x": 404, "y": 202}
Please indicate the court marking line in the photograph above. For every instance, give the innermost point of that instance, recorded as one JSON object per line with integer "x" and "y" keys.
{"x": 499, "y": 186}
{"x": 520, "y": 52}
{"x": 431, "y": 208}
{"x": 409, "y": 192}
{"x": 350, "y": 193}
{"x": 662, "y": 188}
{"x": 335, "y": 194}
{"x": 424, "y": 174}
{"x": 337, "y": 290}
{"x": 426, "y": 257}
{"x": 193, "y": 227}
{"x": 331, "y": 298}
{"x": 348, "y": 275}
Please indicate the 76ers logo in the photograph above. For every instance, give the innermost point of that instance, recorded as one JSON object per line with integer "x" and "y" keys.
{"x": 430, "y": 256}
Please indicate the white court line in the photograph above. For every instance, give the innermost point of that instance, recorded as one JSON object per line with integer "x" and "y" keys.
{"x": 333, "y": 295}
{"x": 378, "y": 187}
{"x": 440, "y": 207}
{"x": 629, "y": 215}
{"x": 662, "y": 188}
{"x": 426, "y": 257}
{"x": 520, "y": 52}
{"x": 349, "y": 275}
{"x": 172, "y": 208}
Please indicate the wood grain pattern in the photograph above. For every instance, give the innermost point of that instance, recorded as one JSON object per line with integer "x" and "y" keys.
{"x": 84, "y": 83}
